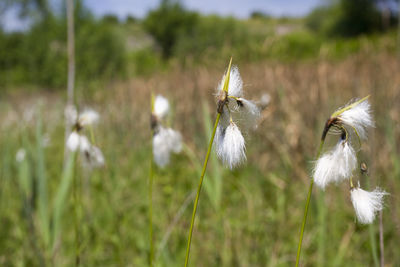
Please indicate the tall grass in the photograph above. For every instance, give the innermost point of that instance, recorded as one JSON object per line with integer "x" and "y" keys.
{"x": 257, "y": 202}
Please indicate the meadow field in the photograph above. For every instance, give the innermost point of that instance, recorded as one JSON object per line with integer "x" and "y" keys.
{"x": 247, "y": 217}
{"x": 60, "y": 208}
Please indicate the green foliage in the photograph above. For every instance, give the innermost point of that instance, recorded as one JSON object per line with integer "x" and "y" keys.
{"x": 297, "y": 45}
{"x": 346, "y": 18}
{"x": 145, "y": 61}
{"x": 39, "y": 56}
{"x": 357, "y": 17}
{"x": 168, "y": 23}
{"x": 211, "y": 36}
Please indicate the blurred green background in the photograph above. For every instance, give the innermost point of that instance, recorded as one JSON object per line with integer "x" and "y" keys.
{"x": 308, "y": 65}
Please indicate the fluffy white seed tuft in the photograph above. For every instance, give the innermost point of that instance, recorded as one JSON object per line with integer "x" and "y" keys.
{"x": 250, "y": 112}
{"x": 88, "y": 117}
{"x": 359, "y": 117}
{"x": 166, "y": 141}
{"x": 265, "y": 100}
{"x": 161, "y": 107}
{"x": 231, "y": 149}
{"x": 20, "y": 155}
{"x": 92, "y": 157}
{"x": 84, "y": 144}
{"x": 336, "y": 165}
{"x": 367, "y": 204}
{"x": 174, "y": 139}
{"x": 235, "y": 87}
{"x": 73, "y": 141}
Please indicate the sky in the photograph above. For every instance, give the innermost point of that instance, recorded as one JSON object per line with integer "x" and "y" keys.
{"x": 237, "y": 8}
{"x": 139, "y": 8}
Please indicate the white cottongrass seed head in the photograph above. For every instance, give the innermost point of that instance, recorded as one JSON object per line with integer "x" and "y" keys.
{"x": 84, "y": 144}
{"x": 235, "y": 87}
{"x": 250, "y": 113}
{"x": 92, "y": 157}
{"x": 367, "y": 204}
{"x": 233, "y": 108}
{"x": 265, "y": 100}
{"x": 88, "y": 117}
{"x": 358, "y": 117}
{"x": 73, "y": 141}
{"x": 20, "y": 155}
{"x": 231, "y": 146}
{"x": 161, "y": 107}
{"x": 336, "y": 165}
{"x": 165, "y": 142}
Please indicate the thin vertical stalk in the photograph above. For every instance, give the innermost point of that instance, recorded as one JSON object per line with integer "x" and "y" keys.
{"x": 42, "y": 199}
{"x": 71, "y": 66}
{"x": 199, "y": 189}
{"x": 321, "y": 145}
{"x": 76, "y": 204}
{"x": 372, "y": 232}
{"x": 372, "y": 240}
{"x": 71, "y": 51}
{"x": 151, "y": 178}
{"x": 398, "y": 31}
{"x": 322, "y": 228}
{"x": 61, "y": 198}
{"x": 381, "y": 242}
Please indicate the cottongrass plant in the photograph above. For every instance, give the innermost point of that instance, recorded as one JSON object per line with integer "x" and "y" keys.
{"x": 227, "y": 136}
{"x": 165, "y": 141}
{"x": 339, "y": 164}
{"x": 91, "y": 155}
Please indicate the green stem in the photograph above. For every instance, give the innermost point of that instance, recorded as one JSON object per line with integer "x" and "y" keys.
{"x": 303, "y": 225}
{"x": 92, "y": 135}
{"x": 199, "y": 189}
{"x": 372, "y": 239}
{"x": 76, "y": 218}
{"x": 151, "y": 176}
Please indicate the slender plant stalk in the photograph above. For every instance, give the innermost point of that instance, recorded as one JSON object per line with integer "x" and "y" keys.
{"x": 199, "y": 189}
{"x": 381, "y": 242}
{"x": 372, "y": 232}
{"x": 151, "y": 176}
{"x": 71, "y": 67}
{"x": 71, "y": 51}
{"x": 372, "y": 240}
{"x": 221, "y": 103}
{"x": 76, "y": 204}
{"x": 321, "y": 145}
{"x": 322, "y": 228}
{"x": 60, "y": 199}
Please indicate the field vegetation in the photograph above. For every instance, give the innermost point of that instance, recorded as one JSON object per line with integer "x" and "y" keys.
{"x": 247, "y": 217}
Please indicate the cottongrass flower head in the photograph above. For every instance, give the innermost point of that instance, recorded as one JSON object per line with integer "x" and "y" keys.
{"x": 338, "y": 164}
{"x": 234, "y": 109}
{"x": 356, "y": 116}
{"x": 352, "y": 122}
{"x": 73, "y": 141}
{"x": 20, "y": 155}
{"x": 232, "y": 147}
{"x": 88, "y": 117}
{"x": 91, "y": 155}
{"x": 367, "y": 204}
{"x": 161, "y": 107}
{"x": 165, "y": 140}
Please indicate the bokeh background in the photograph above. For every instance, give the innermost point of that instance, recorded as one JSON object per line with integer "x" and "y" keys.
{"x": 307, "y": 57}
